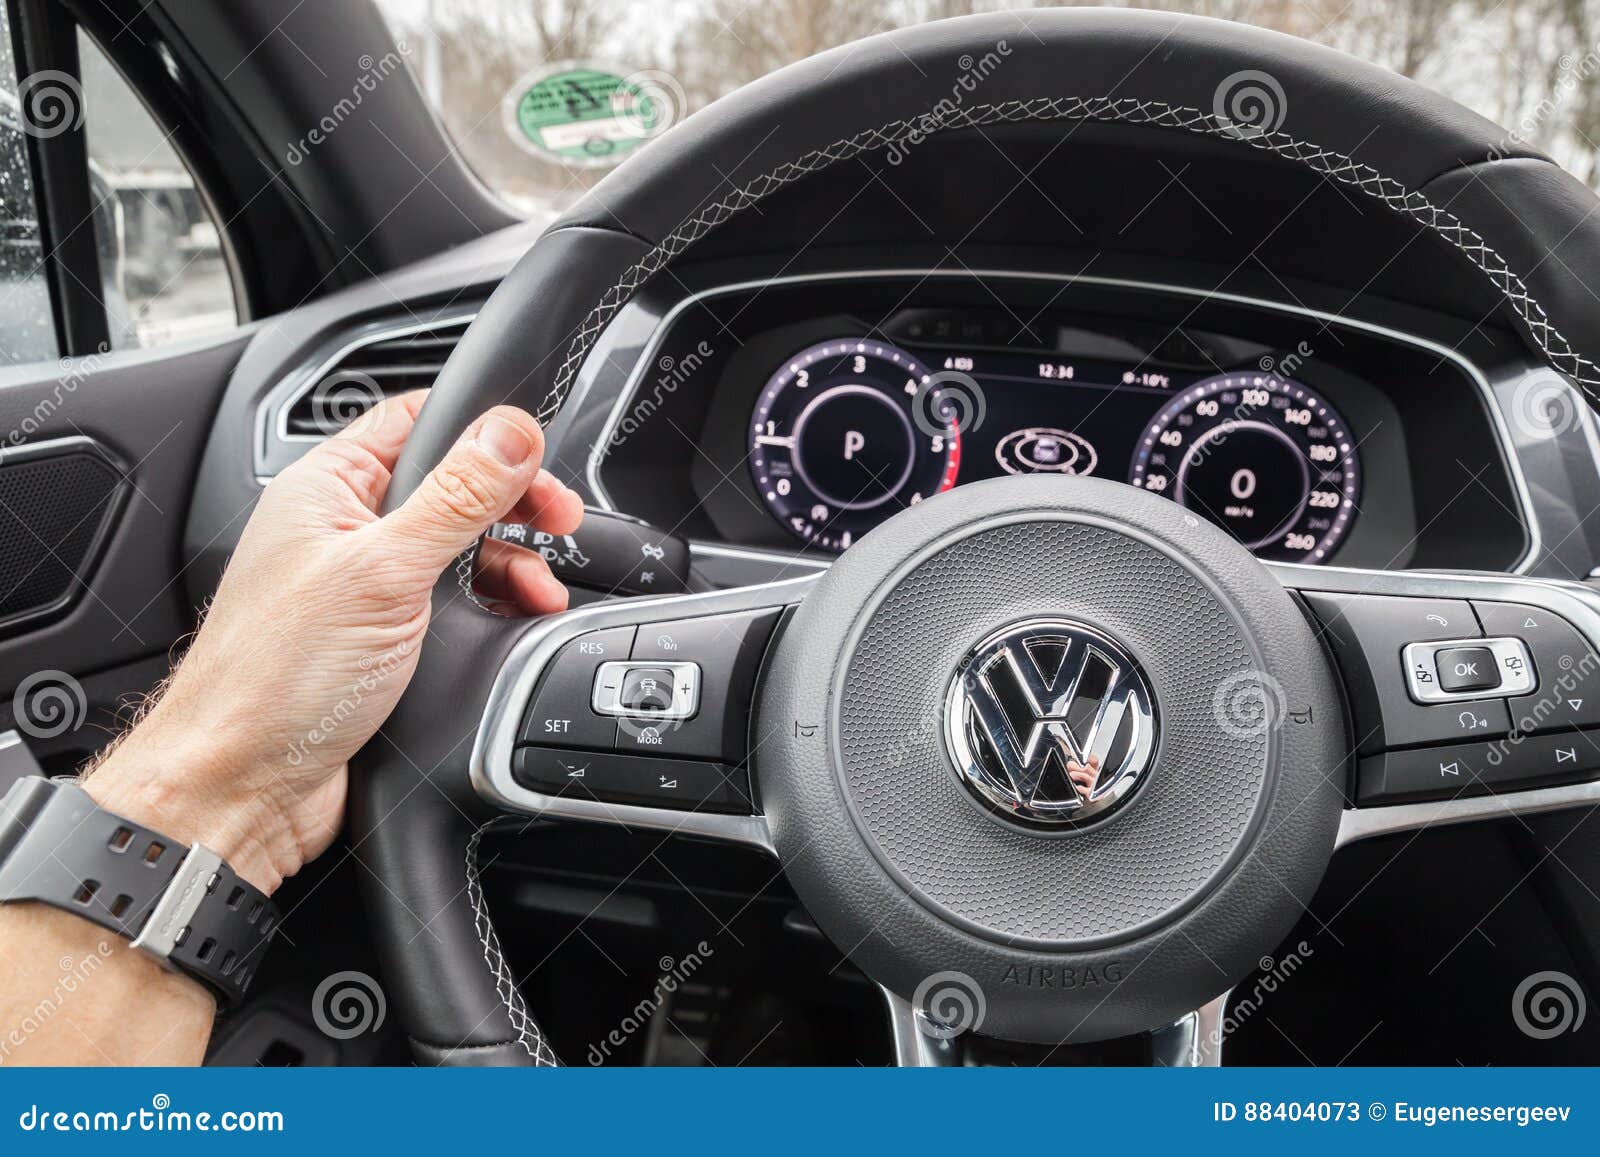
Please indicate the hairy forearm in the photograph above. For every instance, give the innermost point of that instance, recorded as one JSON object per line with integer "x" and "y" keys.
{"x": 75, "y": 994}
{"x": 72, "y": 993}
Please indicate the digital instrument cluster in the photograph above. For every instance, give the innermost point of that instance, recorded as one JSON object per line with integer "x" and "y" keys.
{"x": 848, "y": 431}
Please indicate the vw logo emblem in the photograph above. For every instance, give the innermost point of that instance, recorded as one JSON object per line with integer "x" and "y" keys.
{"x": 1050, "y": 722}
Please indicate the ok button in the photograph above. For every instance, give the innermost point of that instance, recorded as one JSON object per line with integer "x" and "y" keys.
{"x": 1467, "y": 669}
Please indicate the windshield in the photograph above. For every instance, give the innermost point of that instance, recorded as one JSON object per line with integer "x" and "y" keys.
{"x": 543, "y": 96}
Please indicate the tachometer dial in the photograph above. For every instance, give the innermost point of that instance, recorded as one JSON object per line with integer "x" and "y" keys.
{"x": 1265, "y": 458}
{"x": 846, "y": 433}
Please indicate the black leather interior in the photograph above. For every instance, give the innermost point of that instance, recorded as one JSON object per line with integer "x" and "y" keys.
{"x": 1379, "y": 133}
{"x": 412, "y": 815}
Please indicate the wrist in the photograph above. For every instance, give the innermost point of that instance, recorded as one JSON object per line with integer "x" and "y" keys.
{"x": 192, "y": 793}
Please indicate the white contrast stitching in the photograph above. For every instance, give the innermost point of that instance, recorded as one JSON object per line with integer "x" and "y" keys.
{"x": 1331, "y": 164}
{"x": 1334, "y": 165}
{"x": 505, "y": 984}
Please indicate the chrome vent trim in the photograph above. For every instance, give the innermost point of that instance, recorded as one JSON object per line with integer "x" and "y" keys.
{"x": 387, "y": 356}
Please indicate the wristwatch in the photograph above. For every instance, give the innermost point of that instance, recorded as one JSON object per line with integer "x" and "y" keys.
{"x": 183, "y": 906}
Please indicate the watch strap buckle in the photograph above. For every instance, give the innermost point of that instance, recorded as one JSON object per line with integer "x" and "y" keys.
{"x": 170, "y": 920}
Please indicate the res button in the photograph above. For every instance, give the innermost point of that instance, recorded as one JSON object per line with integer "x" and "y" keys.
{"x": 560, "y": 715}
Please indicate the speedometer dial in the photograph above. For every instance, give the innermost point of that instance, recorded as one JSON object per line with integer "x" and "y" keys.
{"x": 1265, "y": 458}
{"x": 846, "y": 433}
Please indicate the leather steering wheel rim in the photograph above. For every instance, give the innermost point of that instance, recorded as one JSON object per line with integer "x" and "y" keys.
{"x": 416, "y": 823}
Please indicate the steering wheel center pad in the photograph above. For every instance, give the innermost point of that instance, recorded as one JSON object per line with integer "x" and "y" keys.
{"x": 1129, "y": 922}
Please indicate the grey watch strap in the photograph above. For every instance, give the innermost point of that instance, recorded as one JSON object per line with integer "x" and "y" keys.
{"x": 182, "y": 905}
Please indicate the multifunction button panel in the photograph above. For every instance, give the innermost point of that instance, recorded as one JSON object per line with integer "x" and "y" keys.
{"x": 655, "y": 714}
{"x": 1466, "y": 668}
{"x": 1461, "y": 697}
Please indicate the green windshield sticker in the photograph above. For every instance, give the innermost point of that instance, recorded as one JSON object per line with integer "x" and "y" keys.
{"x": 583, "y": 114}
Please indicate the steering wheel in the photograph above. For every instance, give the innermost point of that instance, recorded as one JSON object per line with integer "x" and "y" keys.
{"x": 1205, "y": 709}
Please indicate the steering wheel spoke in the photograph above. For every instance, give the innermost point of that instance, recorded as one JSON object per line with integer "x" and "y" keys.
{"x": 635, "y": 712}
{"x": 1471, "y": 697}
{"x": 1194, "y": 1040}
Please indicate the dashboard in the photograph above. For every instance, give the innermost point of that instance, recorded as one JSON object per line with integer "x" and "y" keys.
{"x": 848, "y": 431}
{"x": 794, "y": 415}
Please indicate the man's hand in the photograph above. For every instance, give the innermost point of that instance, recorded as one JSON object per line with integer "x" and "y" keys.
{"x": 315, "y": 630}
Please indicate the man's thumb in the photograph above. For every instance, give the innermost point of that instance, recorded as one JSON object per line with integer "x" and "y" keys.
{"x": 479, "y": 481}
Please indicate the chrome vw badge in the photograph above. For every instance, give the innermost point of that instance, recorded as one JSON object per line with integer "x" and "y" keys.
{"x": 1050, "y": 722}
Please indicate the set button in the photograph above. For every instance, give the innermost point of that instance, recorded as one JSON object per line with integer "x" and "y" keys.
{"x": 619, "y": 709}
{"x": 560, "y": 715}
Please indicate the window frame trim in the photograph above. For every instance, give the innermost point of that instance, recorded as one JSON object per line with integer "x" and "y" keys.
{"x": 44, "y": 37}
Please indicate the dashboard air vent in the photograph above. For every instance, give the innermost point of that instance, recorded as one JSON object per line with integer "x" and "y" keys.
{"x": 387, "y": 360}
